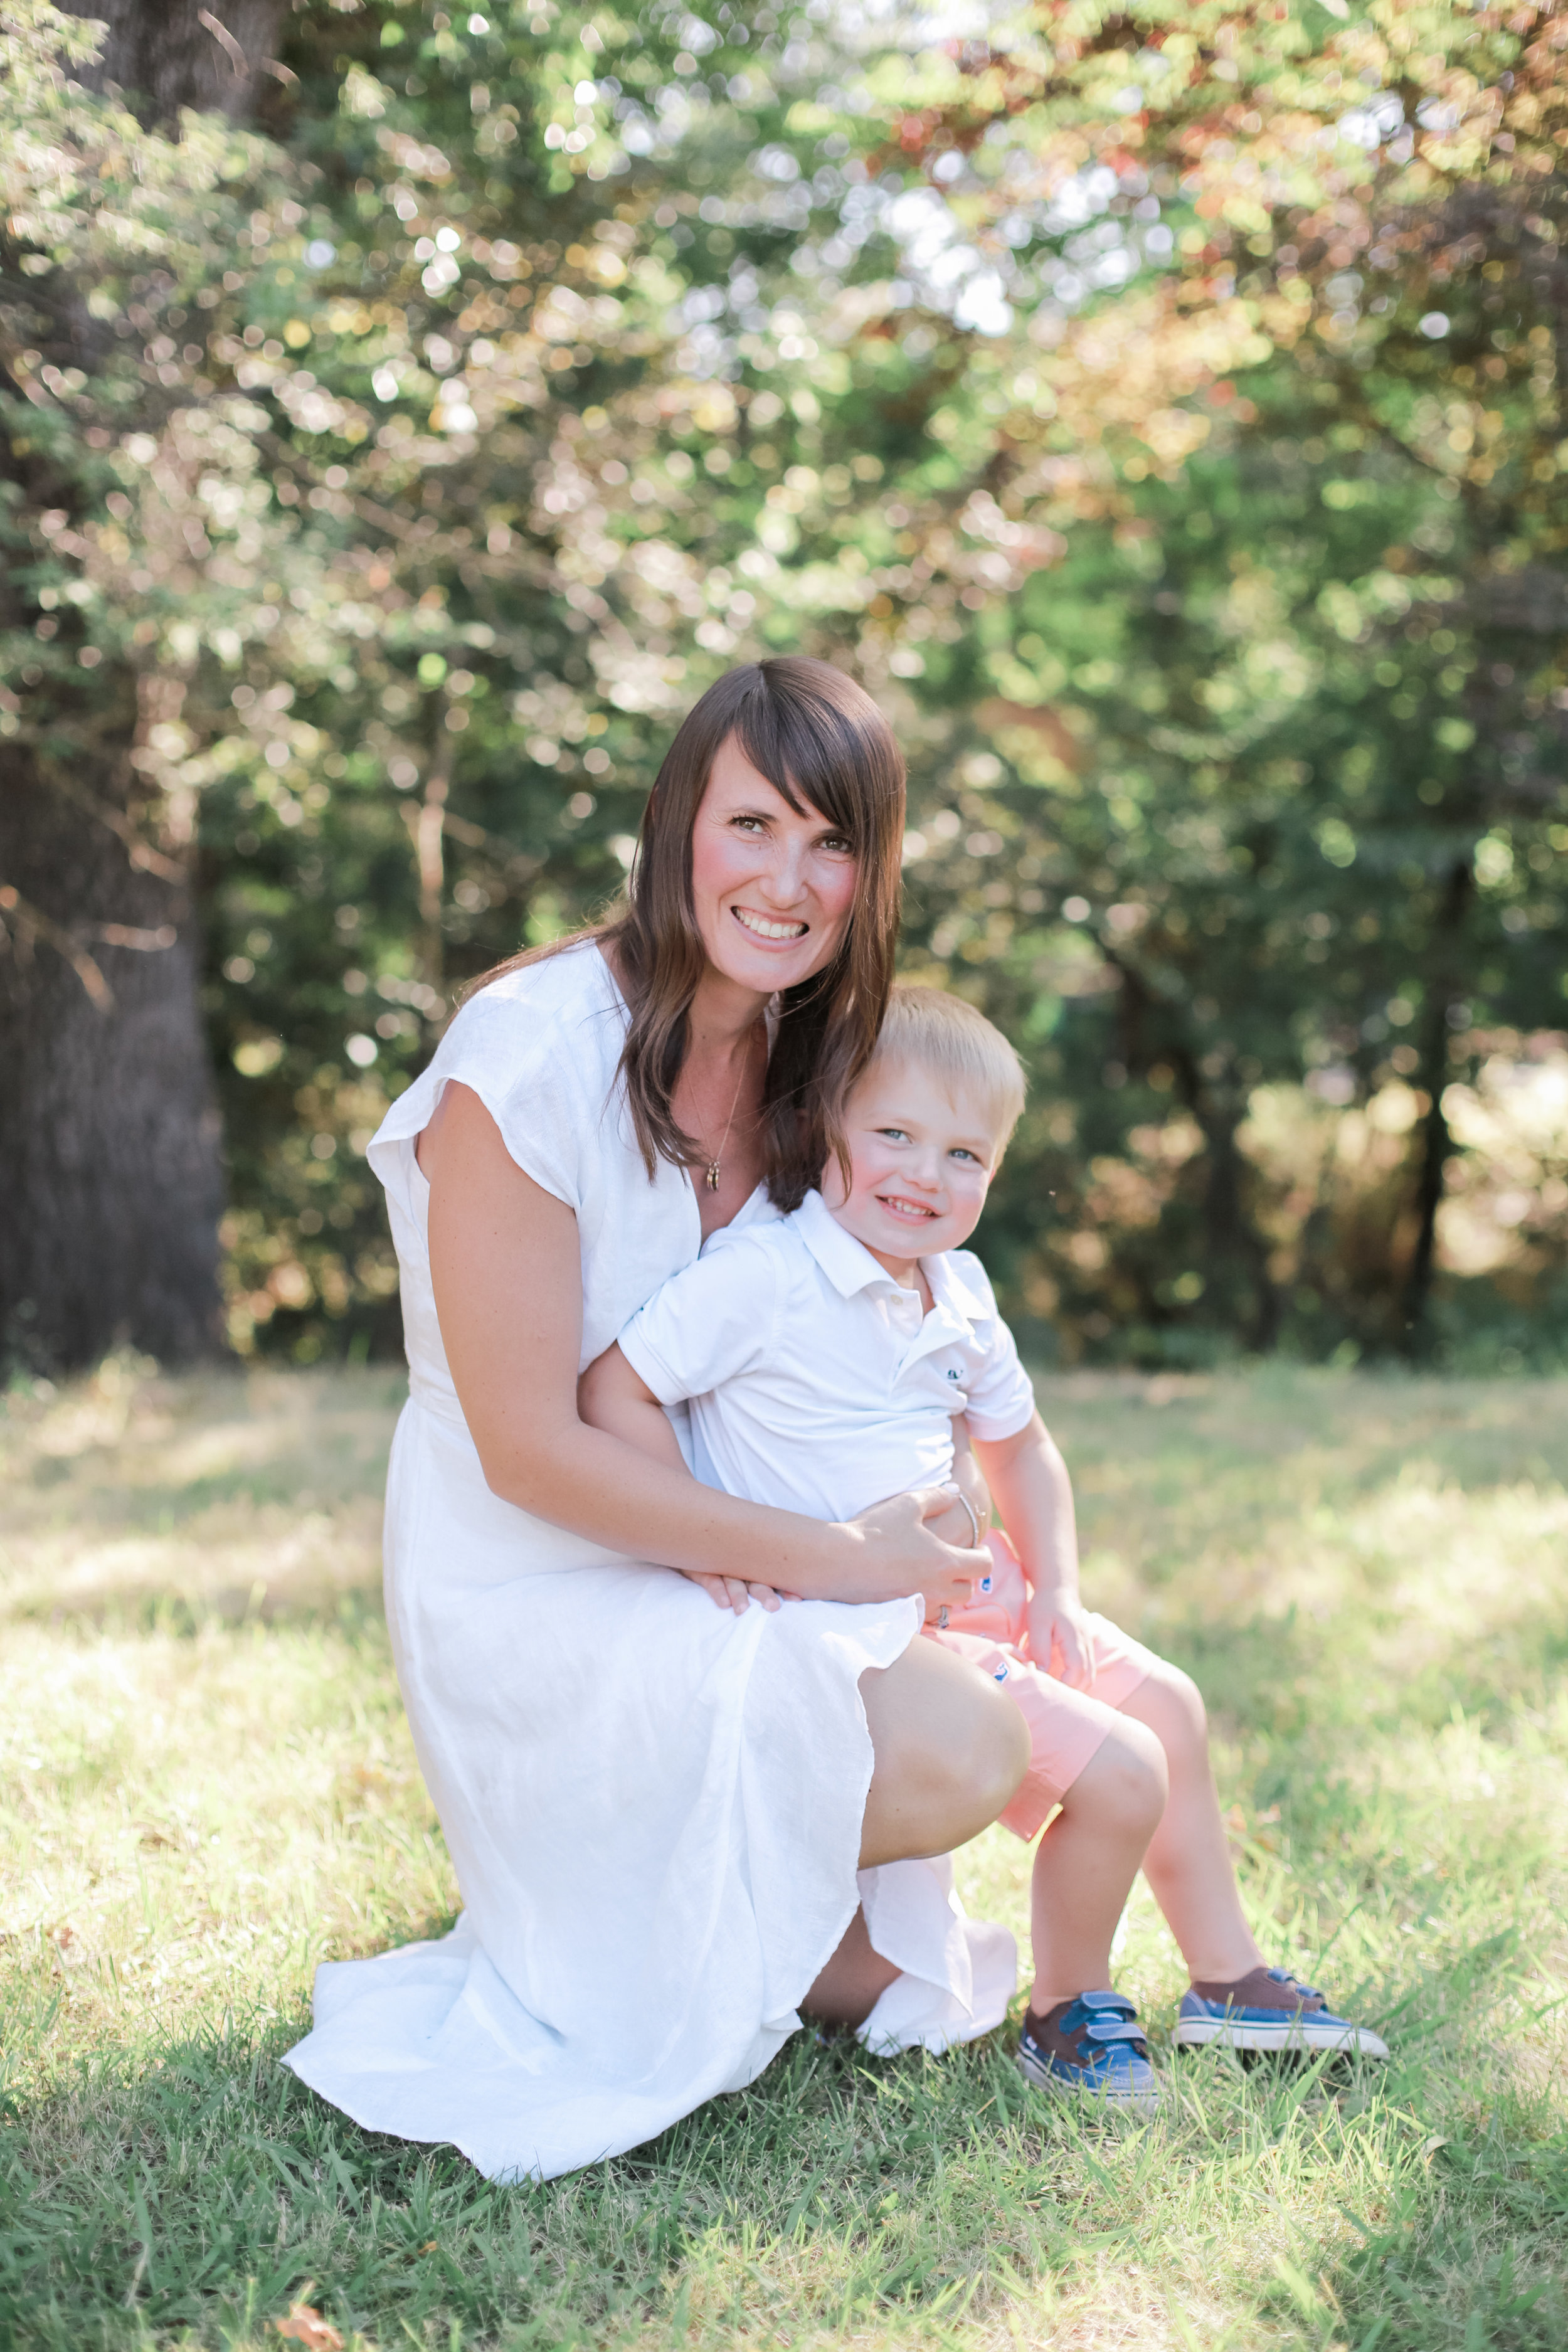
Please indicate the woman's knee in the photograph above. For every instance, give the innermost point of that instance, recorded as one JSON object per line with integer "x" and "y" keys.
{"x": 999, "y": 1755}
{"x": 949, "y": 1746}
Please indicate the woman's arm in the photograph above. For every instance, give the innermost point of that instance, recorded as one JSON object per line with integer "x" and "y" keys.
{"x": 506, "y": 1266}
{"x": 1029, "y": 1480}
{"x": 611, "y": 1396}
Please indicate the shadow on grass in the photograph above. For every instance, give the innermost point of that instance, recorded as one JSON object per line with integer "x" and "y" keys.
{"x": 200, "y": 2188}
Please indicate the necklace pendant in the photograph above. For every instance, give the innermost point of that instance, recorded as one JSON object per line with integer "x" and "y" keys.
{"x": 713, "y": 1177}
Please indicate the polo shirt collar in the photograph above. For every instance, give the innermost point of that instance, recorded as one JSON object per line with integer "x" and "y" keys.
{"x": 847, "y": 1263}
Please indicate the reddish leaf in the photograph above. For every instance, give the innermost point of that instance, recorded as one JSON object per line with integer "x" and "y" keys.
{"x": 305, "y": 2325}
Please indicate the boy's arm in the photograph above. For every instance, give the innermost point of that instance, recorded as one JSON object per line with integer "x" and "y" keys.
{"x": 1026, "y": 1474}
{"x": 611, "y": 1396}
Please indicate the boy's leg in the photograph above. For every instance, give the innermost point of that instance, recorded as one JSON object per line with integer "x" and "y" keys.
{"x": 1080, "y": 2038}
{"x": 1087, "y": 1861}
{"x": 1109, "y": 1776}
{"x": 1188, "y": 1864}
{"x": 1235, "y": 1996}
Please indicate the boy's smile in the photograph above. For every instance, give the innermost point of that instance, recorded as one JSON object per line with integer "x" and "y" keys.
{"x": 920, "y": 1165}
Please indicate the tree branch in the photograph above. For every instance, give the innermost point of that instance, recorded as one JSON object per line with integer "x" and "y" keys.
{"x": 32, "y": 924}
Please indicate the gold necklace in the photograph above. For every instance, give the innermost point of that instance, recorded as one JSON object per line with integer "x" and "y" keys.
{"x": 711, "y": 1179}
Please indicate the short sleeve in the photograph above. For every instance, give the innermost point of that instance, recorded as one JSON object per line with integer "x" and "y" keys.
{"x": 540, "y": 1048}
{"x": 1001, "y": 1394}
{"x": 707, "y": 1324}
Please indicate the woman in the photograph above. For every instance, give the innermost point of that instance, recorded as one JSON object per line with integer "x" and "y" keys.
{"x": 657, "y": 1808}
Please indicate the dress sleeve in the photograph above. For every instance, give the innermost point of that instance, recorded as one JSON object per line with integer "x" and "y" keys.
{"x": 1002, "y": 1395}
{"x": 712, "y": 1320}
{"x": 540, "y": 1050}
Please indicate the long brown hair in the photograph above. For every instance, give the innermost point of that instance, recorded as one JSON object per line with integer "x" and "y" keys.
{"x": 822, "y": 743}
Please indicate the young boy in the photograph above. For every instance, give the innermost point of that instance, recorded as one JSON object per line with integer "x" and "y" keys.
{"x": 823, "y": 1354}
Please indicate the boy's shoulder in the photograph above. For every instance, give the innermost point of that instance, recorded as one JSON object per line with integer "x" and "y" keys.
{"x": 782, "y": 1241}
{"x": 758, "y": 1238}
{"x": 963, "y": 1284}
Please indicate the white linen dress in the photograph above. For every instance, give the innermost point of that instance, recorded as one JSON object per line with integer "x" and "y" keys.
{"x": 653, "y": 1807}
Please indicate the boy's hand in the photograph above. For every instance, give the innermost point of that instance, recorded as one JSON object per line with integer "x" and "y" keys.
{"x": 1060, "y": 1640}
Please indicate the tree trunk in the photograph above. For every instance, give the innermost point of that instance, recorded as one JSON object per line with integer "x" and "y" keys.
{"x": 166, "y": 54}
{"x": 109, "y": 1128}
{"x": 1436, "y": 1143}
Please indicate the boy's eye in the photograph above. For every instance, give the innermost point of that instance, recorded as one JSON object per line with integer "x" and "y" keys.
{"x": 894, "y": 1134}
{"x": 960, "y": 1152}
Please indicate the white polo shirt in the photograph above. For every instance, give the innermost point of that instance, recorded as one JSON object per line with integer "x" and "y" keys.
{"x": 816, "y": 1383}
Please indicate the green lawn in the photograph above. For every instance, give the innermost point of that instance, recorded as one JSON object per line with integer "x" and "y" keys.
{"x": 207, "y": 1786}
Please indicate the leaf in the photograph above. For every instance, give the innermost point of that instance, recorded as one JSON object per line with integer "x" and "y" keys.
{"x": 304, "y": 2325}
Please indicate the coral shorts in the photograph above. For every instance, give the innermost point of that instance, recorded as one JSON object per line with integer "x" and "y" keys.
{"x": 1065, "y": 1725}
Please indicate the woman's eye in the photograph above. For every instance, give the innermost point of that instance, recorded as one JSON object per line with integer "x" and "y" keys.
{"x": 838, "y": 846}
{"x": 749, "y": 823}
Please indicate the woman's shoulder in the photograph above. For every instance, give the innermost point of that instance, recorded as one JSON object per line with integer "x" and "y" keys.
{"x": 573, "y": 979}
{"x": 539, "y": 1045}
{"x": 563, "y": 1014}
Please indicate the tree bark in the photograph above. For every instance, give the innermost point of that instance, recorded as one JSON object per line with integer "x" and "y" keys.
{"x": 1436, "y": 1143}
{"x": 109, "y": 1127}
{"x": 168, "y": 54}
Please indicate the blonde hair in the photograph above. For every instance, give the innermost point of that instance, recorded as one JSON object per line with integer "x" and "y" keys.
{"x": 943, "y": 1034}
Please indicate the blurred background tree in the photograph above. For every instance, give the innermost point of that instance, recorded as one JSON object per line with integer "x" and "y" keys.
{"x": 1158, "y": 409}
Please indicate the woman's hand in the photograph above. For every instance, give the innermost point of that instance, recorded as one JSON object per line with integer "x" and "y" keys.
{"x": 951, "y": 1522}
{"x": 900, "y": 1554}
{"x": 968, "y": 1477}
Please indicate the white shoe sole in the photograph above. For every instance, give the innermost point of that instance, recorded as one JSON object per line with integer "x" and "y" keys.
{"x": 1301, "y": 2034}
{"x": 1141, "y": 2103}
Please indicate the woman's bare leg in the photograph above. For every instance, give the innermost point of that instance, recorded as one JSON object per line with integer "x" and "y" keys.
{"x": 854, "y": 1980}
{"x": 949, "y": 1749}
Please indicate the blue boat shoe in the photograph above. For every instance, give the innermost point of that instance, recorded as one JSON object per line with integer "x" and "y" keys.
{"x": 1269, "y": 2010}
{"x": 1090, "y": 2048}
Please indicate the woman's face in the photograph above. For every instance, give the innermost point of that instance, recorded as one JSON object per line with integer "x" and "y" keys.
{"x": 772, "y": 886}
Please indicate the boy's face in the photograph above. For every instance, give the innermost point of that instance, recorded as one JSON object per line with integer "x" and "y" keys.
{"x": 920, "y": 1160}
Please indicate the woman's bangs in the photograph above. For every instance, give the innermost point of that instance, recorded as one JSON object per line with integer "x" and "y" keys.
{"x": 815, "y": 761}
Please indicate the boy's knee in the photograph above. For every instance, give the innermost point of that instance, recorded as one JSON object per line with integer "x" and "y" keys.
{"x": 1182, "y": 1703}
{"x": 1127, "y": 1780}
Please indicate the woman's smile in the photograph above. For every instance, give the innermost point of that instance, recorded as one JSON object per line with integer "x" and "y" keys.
{"x": 771, "y": 886}
{"x": 766, "y": 927}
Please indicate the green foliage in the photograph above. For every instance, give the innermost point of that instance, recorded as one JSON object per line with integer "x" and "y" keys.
{"x": 1171, "y": 443}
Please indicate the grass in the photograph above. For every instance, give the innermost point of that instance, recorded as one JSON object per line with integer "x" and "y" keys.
{"x": 206, "y": 1785}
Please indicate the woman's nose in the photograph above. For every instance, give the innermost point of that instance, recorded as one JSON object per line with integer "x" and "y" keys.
{"x": 786, "y": 877}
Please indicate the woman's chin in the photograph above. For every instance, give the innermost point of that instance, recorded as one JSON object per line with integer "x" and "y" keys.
{"x": 763, "y": 969}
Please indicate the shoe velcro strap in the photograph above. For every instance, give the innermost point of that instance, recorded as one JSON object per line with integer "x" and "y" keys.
{"x": 1115, "y": 2031}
